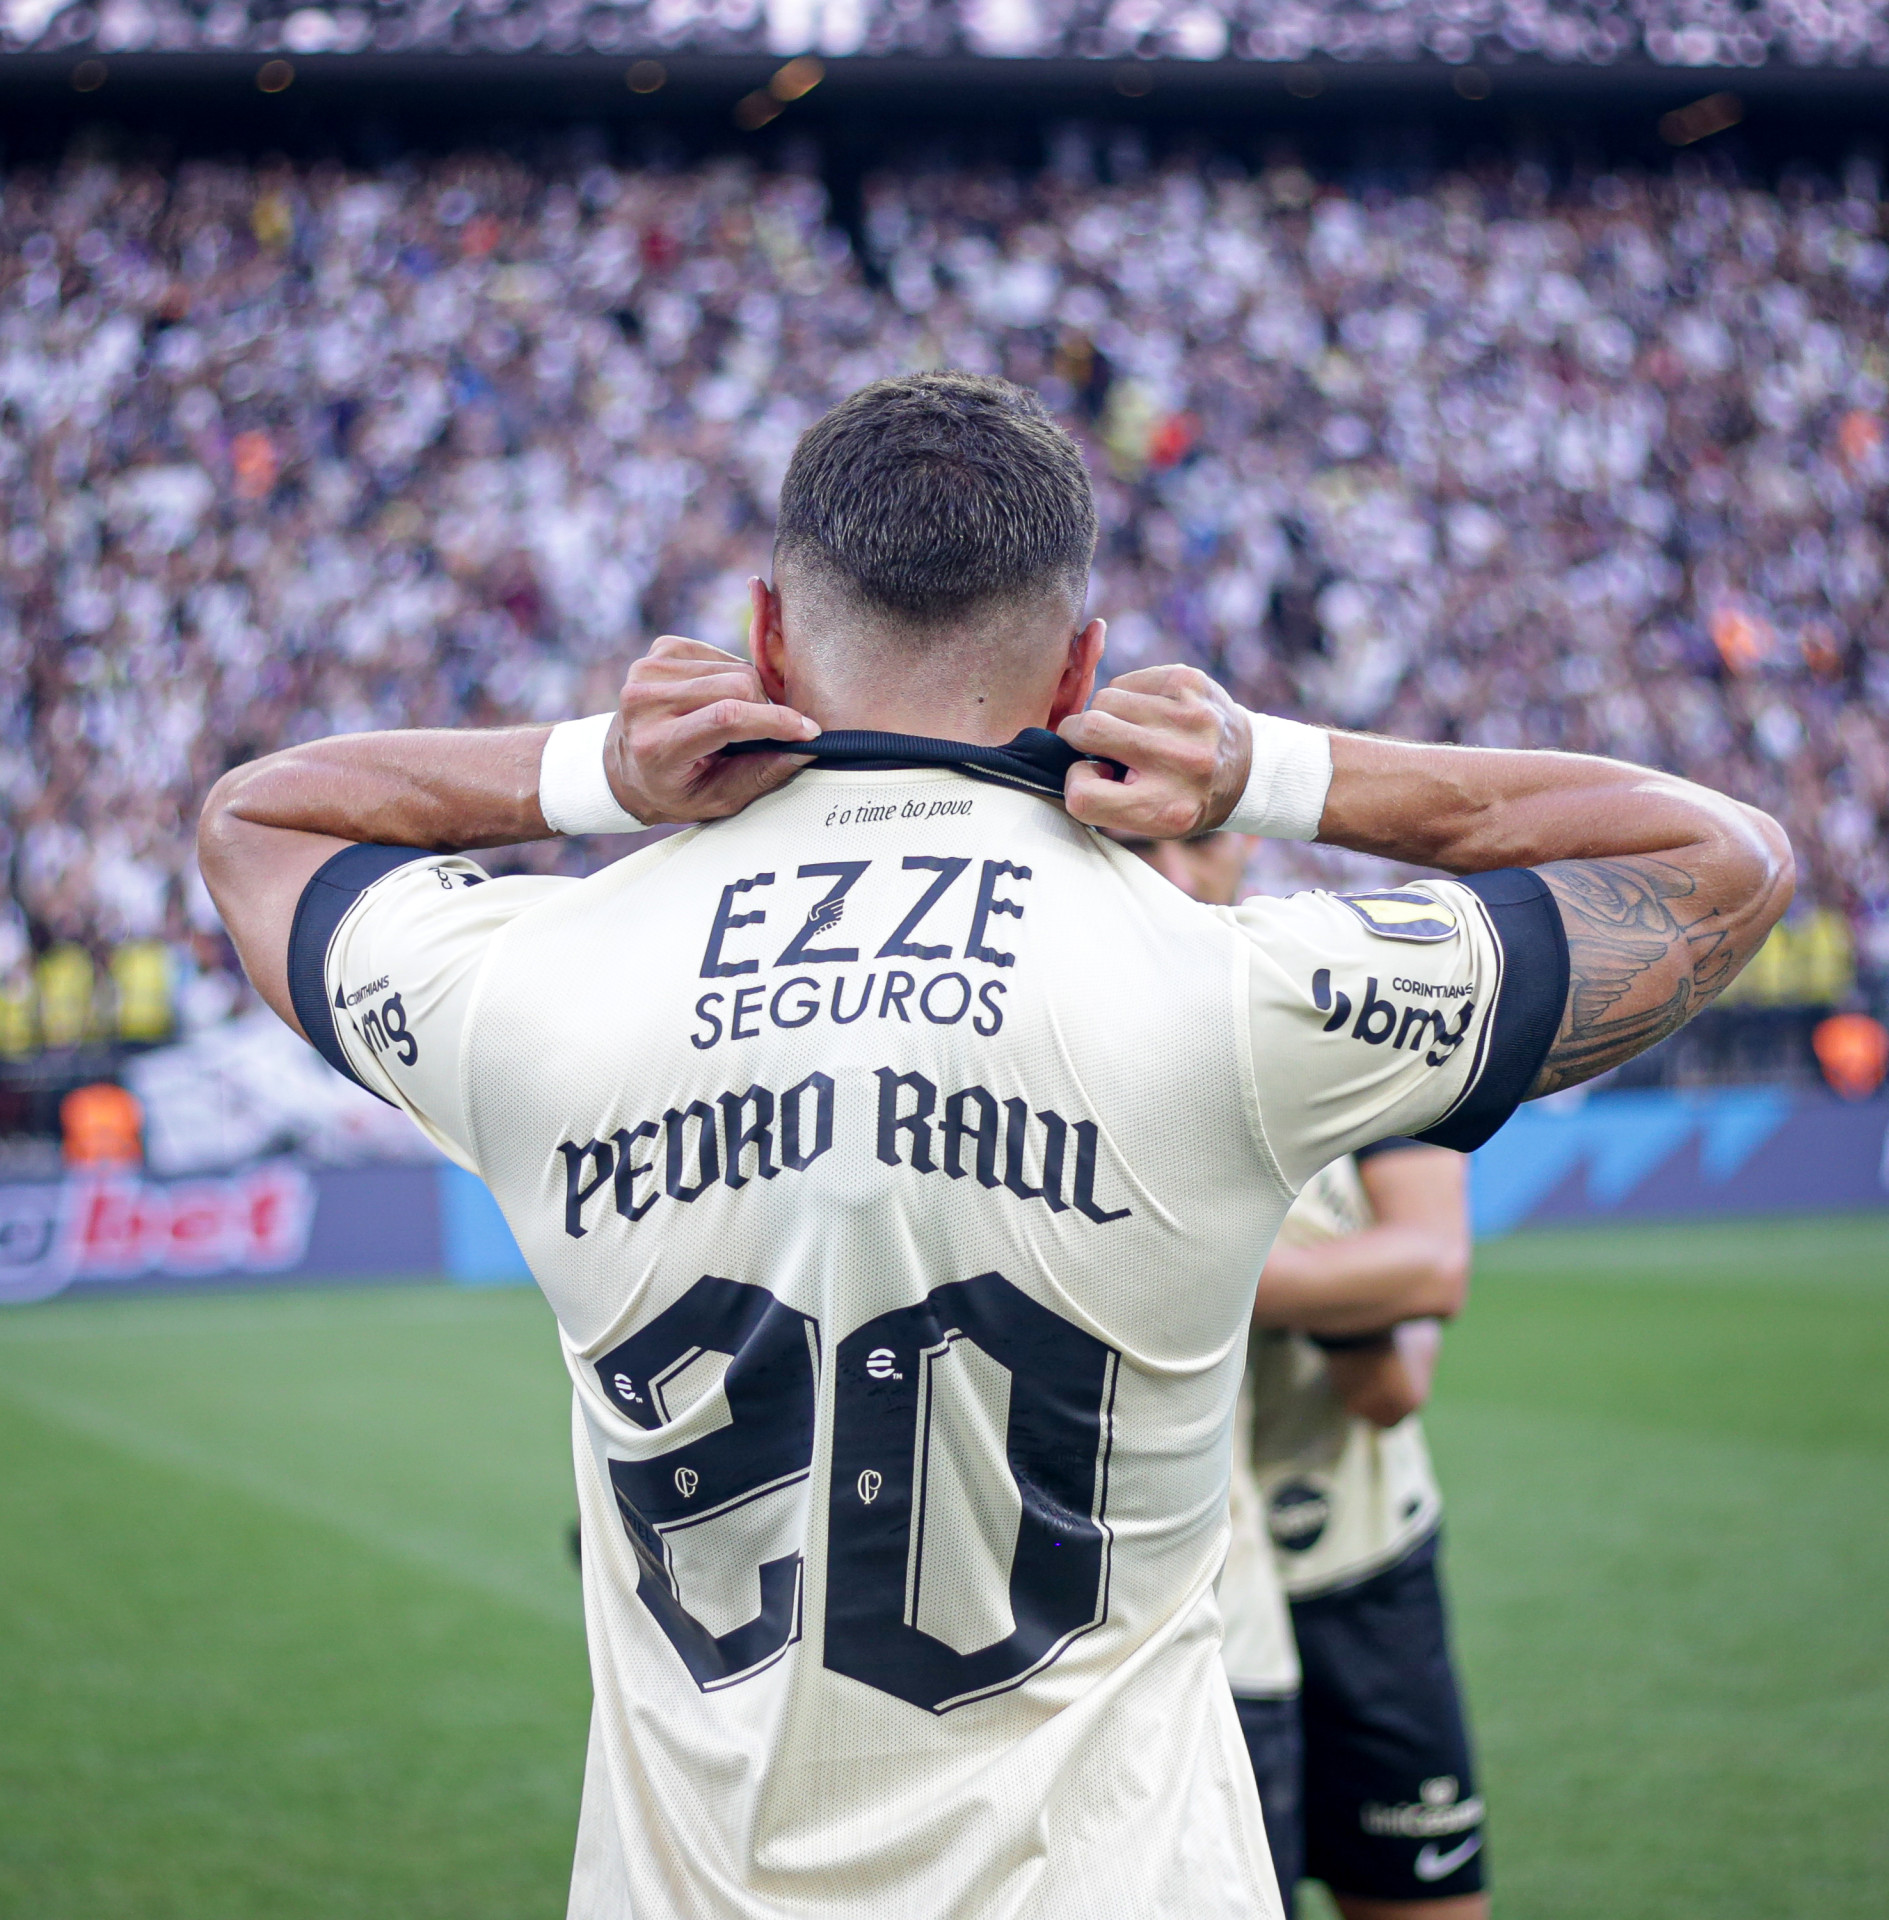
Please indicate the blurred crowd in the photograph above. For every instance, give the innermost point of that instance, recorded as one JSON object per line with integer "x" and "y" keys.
{"x": 286, "y": 450}
{"x": 1602, "y": 469}
{"x": 1676, "y": 33}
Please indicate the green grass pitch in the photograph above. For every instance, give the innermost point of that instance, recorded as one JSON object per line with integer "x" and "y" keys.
{"x": 288, "y": 1625}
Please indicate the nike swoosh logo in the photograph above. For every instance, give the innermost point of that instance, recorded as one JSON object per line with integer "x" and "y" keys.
{"x": 1433, "y": 1864}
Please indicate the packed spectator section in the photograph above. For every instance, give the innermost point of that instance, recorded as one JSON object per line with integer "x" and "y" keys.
{"x": 1662, "y": 33}
{"x": 286, "y": 450}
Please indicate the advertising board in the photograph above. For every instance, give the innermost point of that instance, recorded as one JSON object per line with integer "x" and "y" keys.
{"x": 1613, "y": 1156}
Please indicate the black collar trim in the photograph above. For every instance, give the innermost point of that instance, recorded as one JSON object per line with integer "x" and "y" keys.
{"x": 1037, "y": 760}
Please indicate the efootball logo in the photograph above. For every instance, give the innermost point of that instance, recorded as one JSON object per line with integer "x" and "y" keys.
{"x": 1399, "y": 914}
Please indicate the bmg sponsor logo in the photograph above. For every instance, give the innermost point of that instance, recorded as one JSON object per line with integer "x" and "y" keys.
{"x": 120, "y": 1227}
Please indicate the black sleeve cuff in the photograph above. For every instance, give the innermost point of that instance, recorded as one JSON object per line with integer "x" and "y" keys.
{"x": 1529, "y": 1003}
{"x": 337, "y": 884}
{"x": 1395, "y": 1143}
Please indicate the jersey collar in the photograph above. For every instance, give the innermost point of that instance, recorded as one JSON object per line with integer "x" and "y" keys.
{"x": 1036, "y": 760}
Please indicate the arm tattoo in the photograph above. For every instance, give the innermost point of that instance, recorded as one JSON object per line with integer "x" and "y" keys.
{"x": 1640, "y": 965}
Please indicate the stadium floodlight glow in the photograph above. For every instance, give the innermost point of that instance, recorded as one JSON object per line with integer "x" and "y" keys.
{"x": 274, "y": 76}
{"x": 88, "y": 76}
{"x": 1713, "y": 114}
{"x": 645, "y": 76}
{"x": 797, "y": 78}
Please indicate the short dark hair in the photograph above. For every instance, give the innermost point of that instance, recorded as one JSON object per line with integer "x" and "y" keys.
{"x": 930, "y": 492}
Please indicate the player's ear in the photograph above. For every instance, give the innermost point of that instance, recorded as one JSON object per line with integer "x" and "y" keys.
{"x": 1074, "y": 689}
{"x": 765, "y": 646}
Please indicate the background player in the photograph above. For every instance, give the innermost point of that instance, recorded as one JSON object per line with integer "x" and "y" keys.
{"x": 903, "y": 1491}
{"x": 1356, "y": 1728}
{"x": 1342, "y": 1478}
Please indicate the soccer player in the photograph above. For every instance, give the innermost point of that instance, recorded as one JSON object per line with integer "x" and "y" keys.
{"x": 1392, "y": 1822}
{"x": 898, "y": 1155}
{"x": 1354, "y": 1720}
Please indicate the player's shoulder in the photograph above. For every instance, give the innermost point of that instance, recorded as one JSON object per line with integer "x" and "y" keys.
{"x": 421, "y": 894}
{"x": 1433, "y": 936}
{"x": 1419, "y": 913}
{"x": 1119, "y": 901}
{"x": 551, "y": 901}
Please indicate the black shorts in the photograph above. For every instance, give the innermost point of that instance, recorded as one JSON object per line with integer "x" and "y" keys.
{"x": 1272, "y": 1735}
{"x": 1391, "y": 1810}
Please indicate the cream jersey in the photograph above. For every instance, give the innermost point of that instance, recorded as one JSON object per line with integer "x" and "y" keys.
{"x": 1339, "y": 1497}
{"x": 1257, "y": 1649}
{"x": 898, "y": 1158}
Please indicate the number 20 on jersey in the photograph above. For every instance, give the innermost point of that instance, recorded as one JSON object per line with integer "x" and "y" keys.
{"x": 966, "y": 1539}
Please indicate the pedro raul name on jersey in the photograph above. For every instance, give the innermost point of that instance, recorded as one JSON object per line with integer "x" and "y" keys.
{"x": 898, "y": 1159}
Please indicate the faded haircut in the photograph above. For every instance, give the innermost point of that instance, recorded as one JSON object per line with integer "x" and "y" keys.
{"x": 929, "y": 494}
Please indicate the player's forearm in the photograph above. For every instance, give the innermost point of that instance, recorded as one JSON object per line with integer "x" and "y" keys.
{"x": 1665, "y": 889}
{"x": 445, "y": 790}
{"x": 1375, "y": 1384}
{"x": 1419, "y": 1345}
{"x": 268, "y": 827}
{"x": 1364, "y": 1282}
{"x": 1472, "y": 809}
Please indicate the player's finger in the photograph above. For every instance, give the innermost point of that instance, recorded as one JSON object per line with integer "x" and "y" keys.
{"x": 1082, "y": 795}
{"x": 683, "y": 681}
{"x": 678, "y": 649}
{"x": 683, "y": 673}
{"x": 694, "y": 735}
{"x": 1179, "y": 712}
{"x": 1150, "y": 748}
{"x": 672, "y": 696}
{"x": 1169, "y": 680}
{"x": 684, "y": 678}
{"x": 1101, "y": 733}
{"x": 1146, "y": 709}
{"x": 726, "y": 786}
{"x": 1154, "y": 808}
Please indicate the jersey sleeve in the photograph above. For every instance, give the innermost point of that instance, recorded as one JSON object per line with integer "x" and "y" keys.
{"x": 1395, "y": 1144}
{"x": 1422, "y": 1011}
{"x": 384, "y": 961}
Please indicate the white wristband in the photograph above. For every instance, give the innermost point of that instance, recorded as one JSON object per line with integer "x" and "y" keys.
{"x": 573, "y": 790}
{"x": 1291, "y": 774}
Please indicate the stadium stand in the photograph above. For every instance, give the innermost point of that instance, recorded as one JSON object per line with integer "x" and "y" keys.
{"x": 1667, "y": 33}
{"x": 288, "y": 447}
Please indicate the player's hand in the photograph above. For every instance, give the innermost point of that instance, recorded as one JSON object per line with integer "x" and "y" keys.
{"x": 1186, "y": 745}
{"x": 682, "y": 703}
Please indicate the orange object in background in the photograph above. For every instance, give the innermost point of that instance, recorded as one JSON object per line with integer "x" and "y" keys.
{"x": 104, "y": 1126}
{"x": 1742, "y": 639}
{"x": 1853, "y": 1051}
{"x": 1859, "y": 435}
{"x": 254, "y": 458}
{"x": 1169, "y": 443}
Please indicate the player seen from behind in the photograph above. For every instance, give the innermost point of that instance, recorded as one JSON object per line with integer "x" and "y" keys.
{"x": 898, "y": 1155}
{"x": 1349, "y": 1700}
